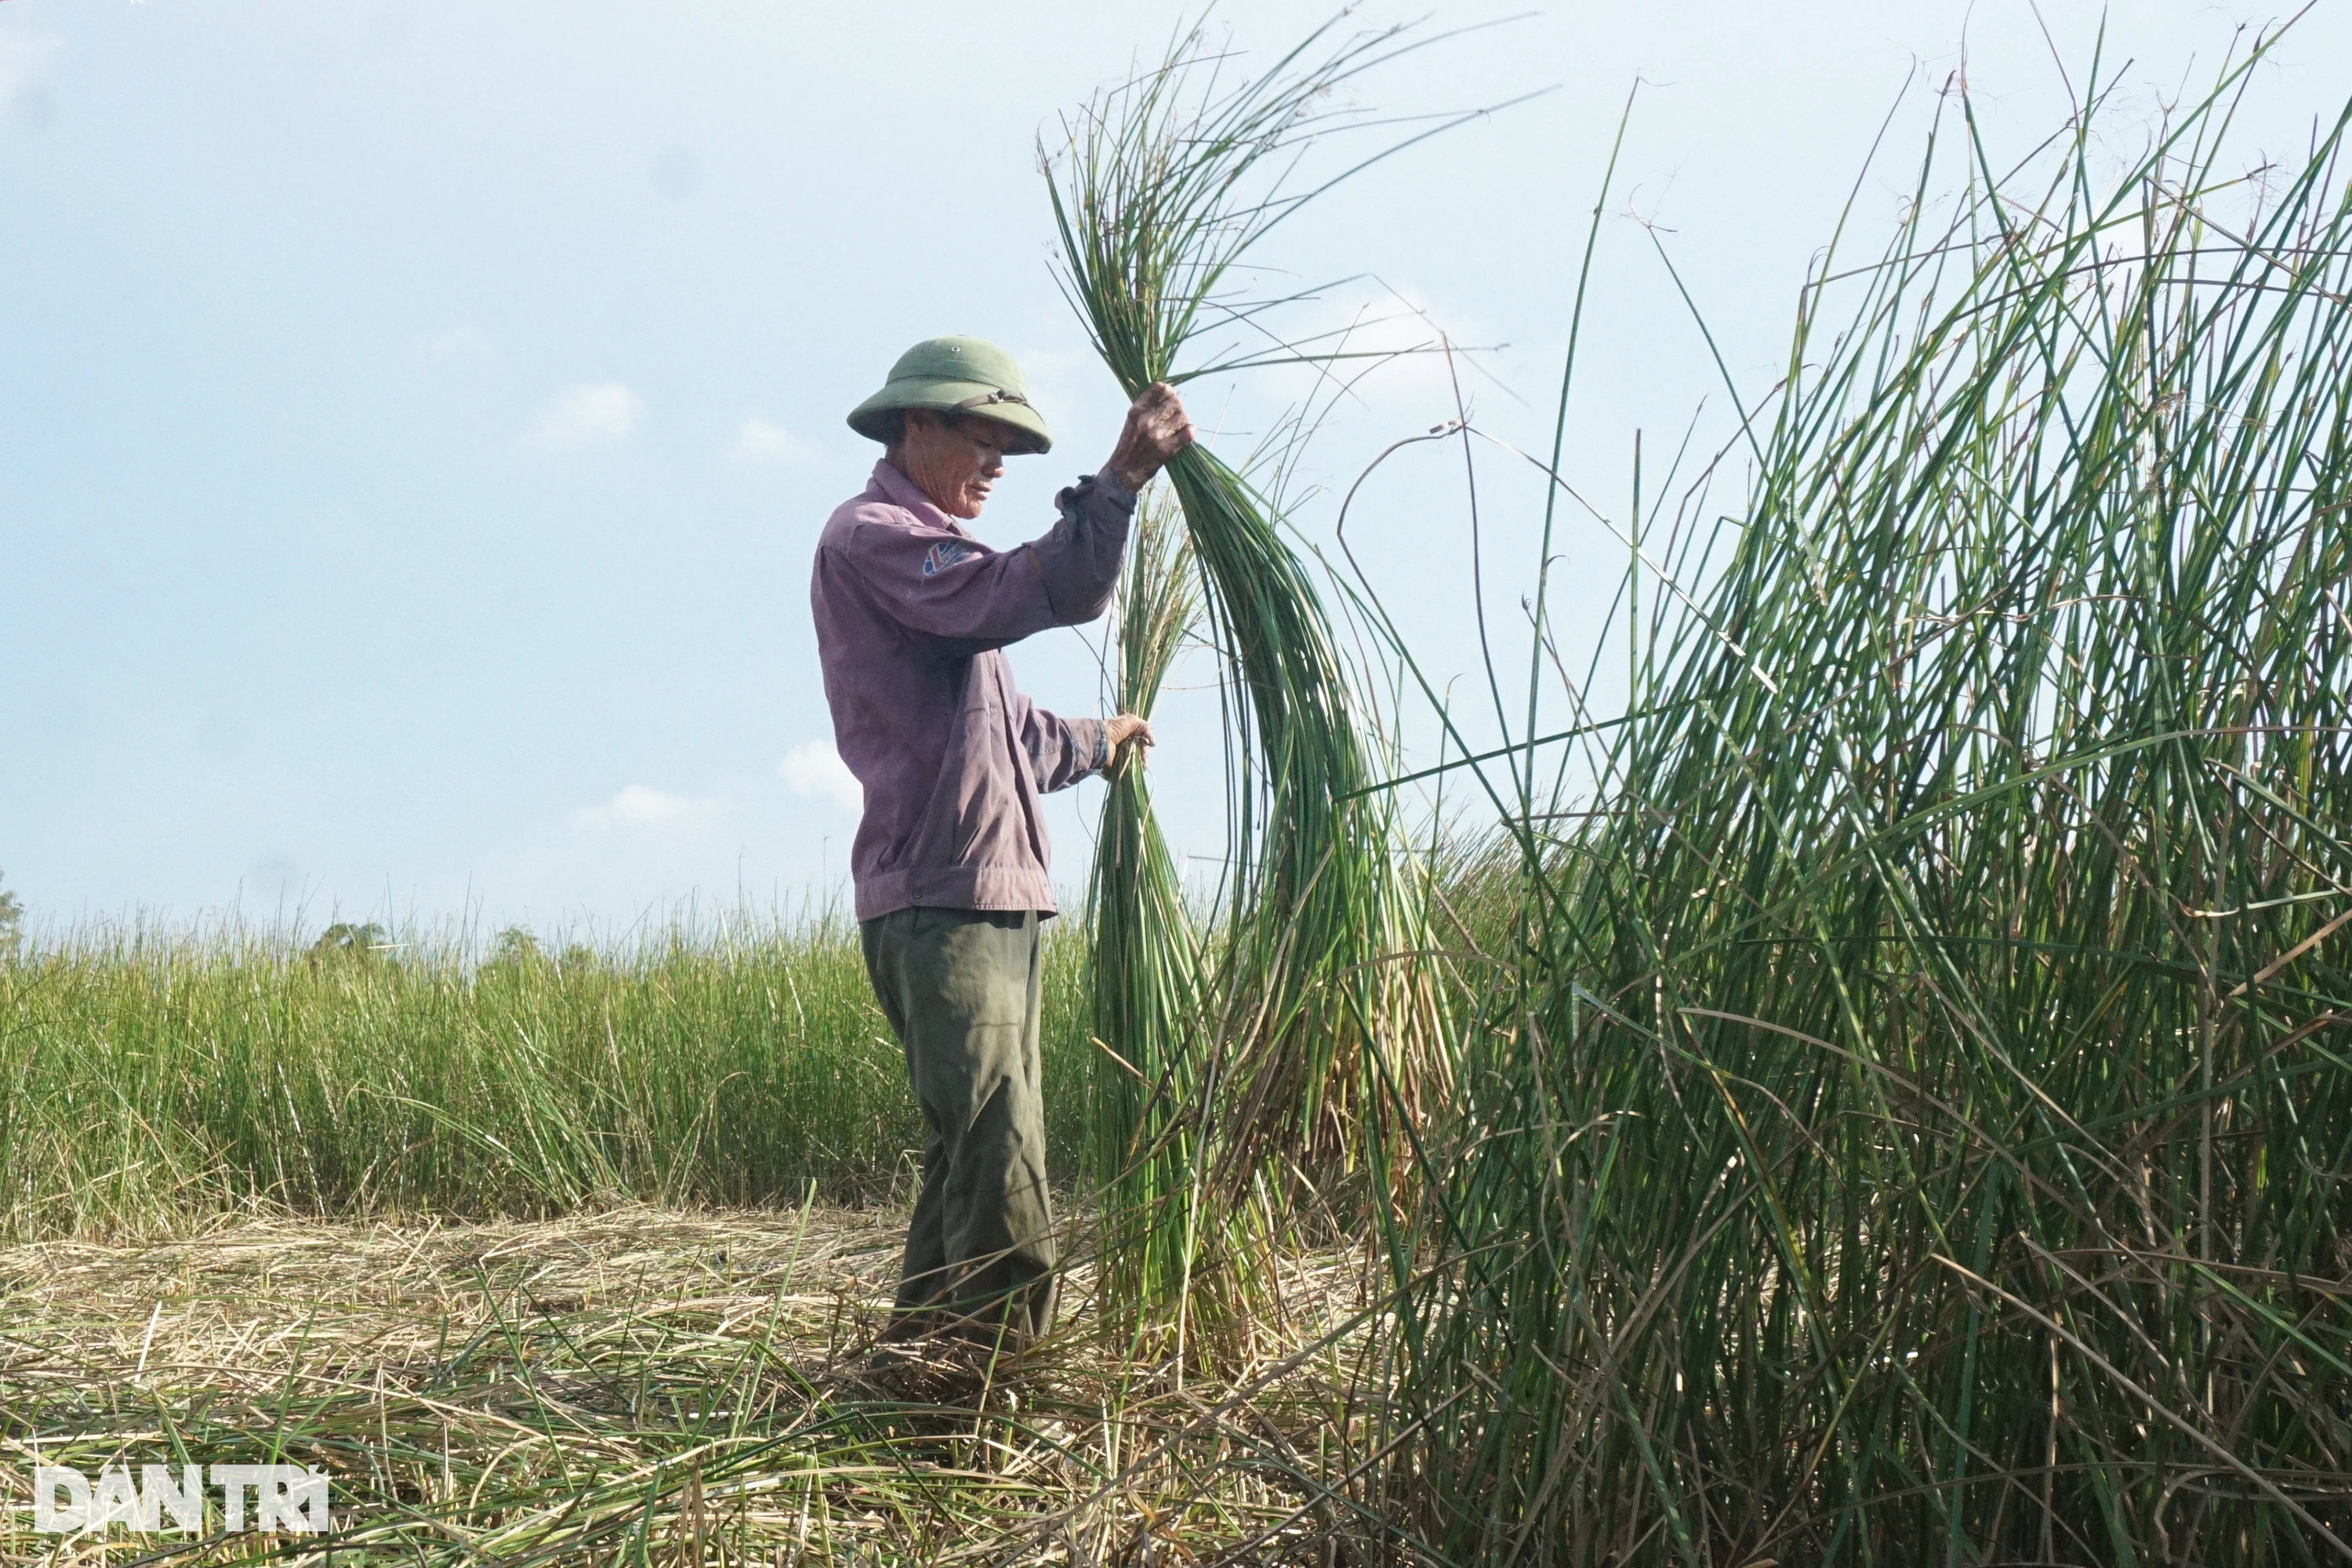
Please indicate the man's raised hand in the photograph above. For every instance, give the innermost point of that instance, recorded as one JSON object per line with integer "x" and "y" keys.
{"x": 1157, "y": 429}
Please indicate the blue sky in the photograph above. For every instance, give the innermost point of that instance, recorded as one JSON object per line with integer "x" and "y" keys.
{"x": 415, "y": 417}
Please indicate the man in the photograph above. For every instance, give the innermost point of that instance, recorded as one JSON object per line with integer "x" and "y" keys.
{"x": 950, "y": 861}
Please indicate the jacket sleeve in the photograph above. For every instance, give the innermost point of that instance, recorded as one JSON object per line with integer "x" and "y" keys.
{"x": 942, "y": 584}
{"x": 1061, "y": 751}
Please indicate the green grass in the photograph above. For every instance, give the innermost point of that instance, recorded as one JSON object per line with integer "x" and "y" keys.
{"x": 156, "y": 1075}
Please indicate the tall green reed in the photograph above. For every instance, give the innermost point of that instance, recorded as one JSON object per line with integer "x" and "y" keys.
{"x": 1916, "y": 1123}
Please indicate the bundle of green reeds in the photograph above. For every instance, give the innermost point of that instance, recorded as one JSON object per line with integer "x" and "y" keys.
{"x": 1146, "y": 979}
{"x": 1921, "y": 1127}
{"x": 1323, "y": 1040}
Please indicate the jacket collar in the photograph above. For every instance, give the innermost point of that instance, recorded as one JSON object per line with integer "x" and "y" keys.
{"x": 899, "y": 490}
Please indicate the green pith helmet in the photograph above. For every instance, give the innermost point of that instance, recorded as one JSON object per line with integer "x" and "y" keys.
{"x": 955, "y": 375}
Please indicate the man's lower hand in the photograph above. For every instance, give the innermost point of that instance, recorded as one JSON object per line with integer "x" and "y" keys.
{"x": 1120, "y": 731}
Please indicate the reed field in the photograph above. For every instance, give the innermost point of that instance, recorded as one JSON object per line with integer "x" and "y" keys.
{"x": 156, "y": 1074}
{"x": 1876, "y": 1089}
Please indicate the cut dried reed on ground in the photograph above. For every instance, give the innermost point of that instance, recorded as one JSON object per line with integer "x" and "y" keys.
{"x": 642, "y": 1386}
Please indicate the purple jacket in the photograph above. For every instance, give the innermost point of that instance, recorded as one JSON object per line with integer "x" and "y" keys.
{"x": 910, "y": 611}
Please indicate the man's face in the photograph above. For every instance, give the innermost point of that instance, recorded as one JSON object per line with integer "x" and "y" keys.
{"x": 955, "y": 459}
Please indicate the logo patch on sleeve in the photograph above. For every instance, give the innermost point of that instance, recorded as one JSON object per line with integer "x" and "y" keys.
{"x": 944, "y": 556}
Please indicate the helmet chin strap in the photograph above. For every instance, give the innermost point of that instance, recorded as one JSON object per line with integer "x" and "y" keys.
{"x": 1000, "y": 395}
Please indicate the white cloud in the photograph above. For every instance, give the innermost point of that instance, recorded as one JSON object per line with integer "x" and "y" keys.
{"x": 815, "y": 772}
{"x": 639, "y": 806}
{"x": 761, "y": 442}
{"x": 1395, "y": 340}
{"x": 592, "y": 411}
{"x": 24, "y": 60}
{"x": 1400, "y": 323}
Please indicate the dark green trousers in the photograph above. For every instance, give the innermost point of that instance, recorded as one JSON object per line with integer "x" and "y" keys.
{"x": 961, "y": 990}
